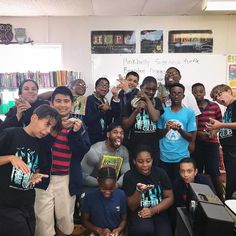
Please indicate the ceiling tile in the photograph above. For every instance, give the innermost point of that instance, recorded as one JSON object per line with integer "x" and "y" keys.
{"x": 121, "y": 7}
{"x": 103, "y": 7}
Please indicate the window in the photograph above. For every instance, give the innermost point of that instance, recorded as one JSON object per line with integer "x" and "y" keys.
{"x": 27, "y": 57}
{"x": 24, "y": 58}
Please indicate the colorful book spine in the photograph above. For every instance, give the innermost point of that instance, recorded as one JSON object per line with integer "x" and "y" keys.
{"x": 51, "y": 79}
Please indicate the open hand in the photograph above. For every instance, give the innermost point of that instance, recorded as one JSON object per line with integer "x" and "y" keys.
{"x": 144, "y": 187}
{"x": 36, "y": 178}
{"x": 19, "y": 164}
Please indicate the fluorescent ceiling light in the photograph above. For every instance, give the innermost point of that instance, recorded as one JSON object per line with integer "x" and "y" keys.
{"x": 220, "y": 6}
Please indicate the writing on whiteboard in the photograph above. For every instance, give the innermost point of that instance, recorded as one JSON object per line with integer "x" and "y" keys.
{"x": 156, "y": 66}
{"x": 209, "y": 69}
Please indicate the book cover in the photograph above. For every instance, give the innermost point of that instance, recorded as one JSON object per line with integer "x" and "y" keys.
{"x": 112, "y": 161}
{"x": 79, "y": 105}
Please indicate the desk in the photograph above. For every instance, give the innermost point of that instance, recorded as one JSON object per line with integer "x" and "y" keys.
{"x": 183, "y": 227}
{"x": 231, "y": 206}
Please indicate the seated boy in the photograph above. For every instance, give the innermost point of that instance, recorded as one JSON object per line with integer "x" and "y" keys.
{"x": 19, "y": 158}
{"x": 188, "y": 174}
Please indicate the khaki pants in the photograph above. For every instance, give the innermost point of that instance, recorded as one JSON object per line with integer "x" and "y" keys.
{"x": 54, "y": 205}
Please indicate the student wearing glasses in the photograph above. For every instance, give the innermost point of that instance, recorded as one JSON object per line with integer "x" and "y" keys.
{"x": 99, "y": 113}
{"x": 78, "y": 88}
{"x": 223, "y": 94}
{"x": 172, "y": 76}
{"x": 177, "y": 126}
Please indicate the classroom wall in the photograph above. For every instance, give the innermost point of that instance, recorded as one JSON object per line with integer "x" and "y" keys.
{"x": 74, "y": 33}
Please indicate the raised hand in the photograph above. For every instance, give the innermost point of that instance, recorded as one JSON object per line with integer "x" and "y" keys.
{"x": 124, "y": 84}
{"x": 21, "y": 106}
{"x": 72, "y": 123}
{"x": 67, "y": 123}
{"x": 77, "y": 125}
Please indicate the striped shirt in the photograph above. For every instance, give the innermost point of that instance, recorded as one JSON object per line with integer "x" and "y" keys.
{"x": 212, "y": 110}
{"x": 61, "y": 154}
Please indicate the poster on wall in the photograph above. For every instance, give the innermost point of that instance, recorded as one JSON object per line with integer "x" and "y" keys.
{"x": 151, "y": 41}
{"x": 109, "y": 42}
{"x": 190, "y": 41}
{"x": 231, "y": 72}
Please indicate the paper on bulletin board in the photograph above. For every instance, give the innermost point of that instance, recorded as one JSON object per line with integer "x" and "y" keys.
{"x": 231, "y": 72}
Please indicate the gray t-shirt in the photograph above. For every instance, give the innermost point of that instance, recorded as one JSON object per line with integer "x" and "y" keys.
{"x": 92, "y": 160}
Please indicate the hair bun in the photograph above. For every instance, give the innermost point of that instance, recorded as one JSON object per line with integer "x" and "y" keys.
{"x": 107, "y": 173}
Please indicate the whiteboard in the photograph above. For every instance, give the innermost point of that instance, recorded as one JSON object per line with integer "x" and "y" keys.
{"x": 208, "y": 69}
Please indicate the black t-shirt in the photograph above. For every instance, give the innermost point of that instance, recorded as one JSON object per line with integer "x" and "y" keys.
{"x": 228, "y": 136}
{"x": 143, "y": 131}
{"x": 158, "y": 178}
{"x": 15, "y": 190}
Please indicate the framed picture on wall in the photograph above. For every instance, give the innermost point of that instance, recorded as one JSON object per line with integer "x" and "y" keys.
{"x": 190, "y": 41}
{"x": 151, "y": 41}
{"x": 107, "y": 42}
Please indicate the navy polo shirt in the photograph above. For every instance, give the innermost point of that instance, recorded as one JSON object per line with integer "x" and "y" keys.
{"x": 105, "y": 212}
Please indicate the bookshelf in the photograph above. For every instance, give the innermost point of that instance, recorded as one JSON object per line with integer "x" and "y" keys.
{"x": 9, "y": 83}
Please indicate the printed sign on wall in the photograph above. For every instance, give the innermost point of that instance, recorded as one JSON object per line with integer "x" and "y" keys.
{"x": 107, "y": 42}
{"x": 190, "y": 41}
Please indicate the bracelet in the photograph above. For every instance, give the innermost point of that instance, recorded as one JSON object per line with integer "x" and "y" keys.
{"x": 137, "y": 189}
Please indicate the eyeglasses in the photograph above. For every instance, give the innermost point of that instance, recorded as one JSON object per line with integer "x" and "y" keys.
{"x": 172, "y": 73}
{"x": 176, "y": 94}
{"x": 82, "y": 85}
{"x": 217, "y": 95}
{"x": 104, "y": 85}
